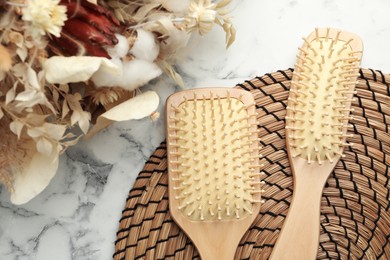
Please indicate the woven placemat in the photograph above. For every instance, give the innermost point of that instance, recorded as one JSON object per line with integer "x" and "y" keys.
{"x": 355, "y": 207}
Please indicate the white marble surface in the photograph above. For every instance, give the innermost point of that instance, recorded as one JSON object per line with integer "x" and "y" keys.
{"x": 77, "y": 216}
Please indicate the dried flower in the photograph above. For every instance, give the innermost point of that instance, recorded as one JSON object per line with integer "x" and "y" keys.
{"x": 47, "y": 102}
{"x": 105, "y": 95}
{"x": 45, "y": 16}
{"x": 88, "y": 30}
{"x": 201, "y": 16}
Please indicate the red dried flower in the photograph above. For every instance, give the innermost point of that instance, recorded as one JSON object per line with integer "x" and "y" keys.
{"x": 87, "y": 31}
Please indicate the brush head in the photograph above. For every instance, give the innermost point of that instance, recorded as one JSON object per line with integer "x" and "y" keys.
{"x": 321, "y": 93}
{"x": 213, "y": 154}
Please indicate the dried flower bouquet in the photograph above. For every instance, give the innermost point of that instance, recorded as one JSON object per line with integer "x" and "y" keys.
{"x": 69, "y": 68}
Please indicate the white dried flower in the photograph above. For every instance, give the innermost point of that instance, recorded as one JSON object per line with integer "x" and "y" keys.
{"x": 45, "y": 16}
{"x": 201, "y": 16}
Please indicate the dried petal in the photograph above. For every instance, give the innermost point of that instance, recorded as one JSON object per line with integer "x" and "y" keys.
{"x": 10, "y": 96}
{"x": 53, "y": 131}
{"x": 36, "y": 173}
{"x": 22, "y": 53}
{"x": 16, "y": 127}
{"x": 82, "y": 118}
{"x": 44, "y": 146}
{"x": 32, "y": 78}
{"x": 136, "y": 108}
{"x": 170, "y": 71}
{"x": 65, "y": 109}
{"x": 76, "y": 69}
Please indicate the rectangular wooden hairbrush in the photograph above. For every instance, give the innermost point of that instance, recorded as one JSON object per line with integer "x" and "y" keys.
{"x": 213, "y": 167}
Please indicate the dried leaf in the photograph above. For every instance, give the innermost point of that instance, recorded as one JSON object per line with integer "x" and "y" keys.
{"x": 65, "y": 109}
{"x": 53, "y": 131}
{"x": 56, "y": 96}
{"x": 76, "y": 68}
{"x": 36, "y": 173}
{"x": 100, "y": 124}
{"x": 44, "y": 146}
{"x": 136, "y": 108}
{"x": 223, "y": 3}
{"x": 31, "y": 97}
{"x": 84, "y": 121}
{"x": 230, "y": 33}
{"x": 74, "y": 101}
{"x": 75, "y": 117}
{"x": 82, "y": 118}
{"x": 28, "y": 95}
{"x": 33, "y": 79}
{"x": 170, "y": 71}
{"x": 10, "y": 96}
{"x": 165, "y": 26}
{"x": 16, "y": 127}
{"x": 143, "y": 11}
{"x": 22, "y": 53}
{"x": 119, "y": 15}
{"x": 19, "y": 70}
{"x": 64, "y": 88}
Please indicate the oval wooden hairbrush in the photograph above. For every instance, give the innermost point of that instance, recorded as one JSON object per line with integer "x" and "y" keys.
{"x": 318, "y": 111}
{"x": 213, "y": 167}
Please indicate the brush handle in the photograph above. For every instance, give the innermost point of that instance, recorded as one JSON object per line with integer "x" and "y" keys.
{"x": 299, "y": 238}
{"x": 219, "y": 241}
{"x": 221, "y": 253}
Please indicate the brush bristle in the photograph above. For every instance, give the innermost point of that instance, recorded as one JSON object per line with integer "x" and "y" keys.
{"x": 215, "y": 172}
{"x": 321, "y": 93}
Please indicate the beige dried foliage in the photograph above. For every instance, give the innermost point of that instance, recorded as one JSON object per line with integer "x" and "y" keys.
{"x": 170, "y": 71}
{"x": 44, "y": 98}
{"x": 127, "y": 110}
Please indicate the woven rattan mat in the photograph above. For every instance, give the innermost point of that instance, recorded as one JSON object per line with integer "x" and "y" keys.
{"x": 355, "y": 208}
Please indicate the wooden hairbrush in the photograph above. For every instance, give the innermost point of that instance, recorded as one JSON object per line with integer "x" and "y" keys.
{"x": 213, "y": 167}
{"x": 318, "y": 111}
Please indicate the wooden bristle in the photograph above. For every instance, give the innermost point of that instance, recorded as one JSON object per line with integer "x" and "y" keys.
{"x": 220, "y": 144}
{"x": 321, "y": 95}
